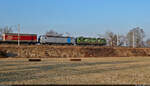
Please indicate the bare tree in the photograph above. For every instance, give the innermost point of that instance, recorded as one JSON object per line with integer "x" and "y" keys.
{"x": 111, "y": 38}
{"x": 135, "y": 37}
{"x": 53, "y": 33}
{"x": 148, "y": 42}
{"x": 121, "y": 40}
{"x": 5, "y": 30}
{"x": 115, "y": 39}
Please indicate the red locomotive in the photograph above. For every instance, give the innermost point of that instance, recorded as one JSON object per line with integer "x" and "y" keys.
{"x": 23, "y": 38}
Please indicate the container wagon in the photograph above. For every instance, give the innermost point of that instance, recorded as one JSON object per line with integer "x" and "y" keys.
{"x": 56, "y": 40}
{"x": 23, "y": 38}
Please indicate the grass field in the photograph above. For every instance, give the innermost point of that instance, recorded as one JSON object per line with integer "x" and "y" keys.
{"x": 111, "y": 70}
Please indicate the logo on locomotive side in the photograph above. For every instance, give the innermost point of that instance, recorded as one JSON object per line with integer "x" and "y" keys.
{"x": 9, "y": 37}
{"x": 12, "y": 37}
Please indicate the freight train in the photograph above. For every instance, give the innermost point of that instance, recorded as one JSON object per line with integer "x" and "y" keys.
{"x": 45, "y": 39}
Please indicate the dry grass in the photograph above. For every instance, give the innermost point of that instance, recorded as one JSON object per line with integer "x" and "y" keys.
{"x": 111, "y": 70}
{"x": 51, "y": 51}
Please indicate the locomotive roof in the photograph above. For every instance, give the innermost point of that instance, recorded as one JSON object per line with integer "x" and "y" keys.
{"x": 91, "y": 37}
{"x": 17, "y": 34}
{"x": 57, "y": 36}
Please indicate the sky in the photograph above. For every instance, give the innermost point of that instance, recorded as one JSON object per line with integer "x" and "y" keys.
{"x": 78, "y": 17}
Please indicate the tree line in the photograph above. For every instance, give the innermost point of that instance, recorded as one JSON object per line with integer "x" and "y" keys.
{"x": 134, "y": 38}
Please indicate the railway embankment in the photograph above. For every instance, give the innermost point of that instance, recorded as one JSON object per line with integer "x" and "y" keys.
{"x": 47, "y": 51}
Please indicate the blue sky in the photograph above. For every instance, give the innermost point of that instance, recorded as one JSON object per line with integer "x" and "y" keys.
{"x": 78, "y": 17}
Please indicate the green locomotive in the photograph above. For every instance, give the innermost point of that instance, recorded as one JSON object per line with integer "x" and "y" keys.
{"x": 90, "y": 41}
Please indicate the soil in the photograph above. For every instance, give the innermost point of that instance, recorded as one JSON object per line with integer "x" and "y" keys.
{"x": 51, "y": 51}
